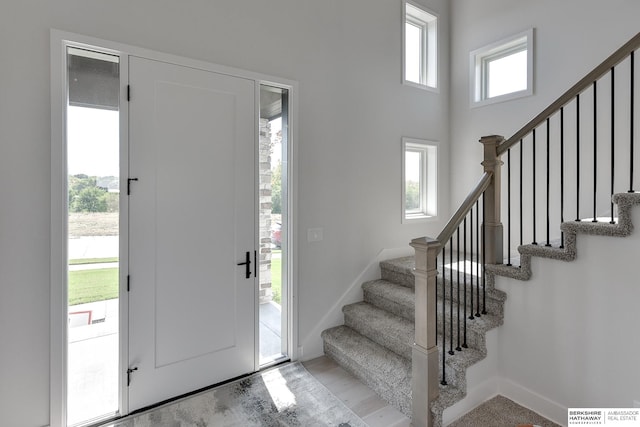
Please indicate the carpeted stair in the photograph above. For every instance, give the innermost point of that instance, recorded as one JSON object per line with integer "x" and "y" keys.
{"x": 375, "y": 342}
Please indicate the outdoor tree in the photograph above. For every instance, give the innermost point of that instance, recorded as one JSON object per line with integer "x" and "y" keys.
{"x": 85, "y": 196}
{"x": 91, "y": 199}
{"x": 412, "y": 195}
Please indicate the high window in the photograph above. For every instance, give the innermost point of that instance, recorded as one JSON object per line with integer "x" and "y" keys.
{"x": 503, "y": 70}
{"x": 419, "y": 35}
{"x": 419, "y": 179}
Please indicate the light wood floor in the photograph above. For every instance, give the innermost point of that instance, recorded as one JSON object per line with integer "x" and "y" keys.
{"x": 355, "y": 395}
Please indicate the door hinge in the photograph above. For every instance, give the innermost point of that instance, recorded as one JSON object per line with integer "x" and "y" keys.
{"x": 128, "y": 283}
{"x": 129, "y": 185}
{"x": 128, "y": 93}
{"x": 129, "y": 372}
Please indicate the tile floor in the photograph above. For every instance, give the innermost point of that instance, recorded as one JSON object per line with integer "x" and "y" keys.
{"x": 355, "y": 395}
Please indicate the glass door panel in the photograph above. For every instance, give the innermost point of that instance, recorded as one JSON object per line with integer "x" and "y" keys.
{"x": 274, "y": 114}
{"x": 93, "y": 192}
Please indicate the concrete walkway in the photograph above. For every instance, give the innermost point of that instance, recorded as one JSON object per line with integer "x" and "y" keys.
{"x": 94, "y": 247}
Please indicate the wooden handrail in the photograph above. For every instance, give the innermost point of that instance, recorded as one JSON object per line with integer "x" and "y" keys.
{"x": 464, "y": 209}
{"x": 613, "y": 60}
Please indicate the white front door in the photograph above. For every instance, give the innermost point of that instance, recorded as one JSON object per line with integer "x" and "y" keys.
{"x": 192, "y": 208}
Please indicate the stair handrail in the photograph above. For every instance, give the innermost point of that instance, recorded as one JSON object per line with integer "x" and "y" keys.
{"x": 614, "y": 59}
{"x": 465, "y": 207}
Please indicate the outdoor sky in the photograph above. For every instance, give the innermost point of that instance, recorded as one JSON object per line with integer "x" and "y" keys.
{"x": 92, "y": 142}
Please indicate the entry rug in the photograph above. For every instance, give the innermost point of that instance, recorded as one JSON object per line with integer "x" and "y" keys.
{"x": 287, "y": 396}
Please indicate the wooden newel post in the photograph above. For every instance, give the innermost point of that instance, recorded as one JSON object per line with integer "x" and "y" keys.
{"x": 492, "y": 224}
{"x": 424, "y": 378}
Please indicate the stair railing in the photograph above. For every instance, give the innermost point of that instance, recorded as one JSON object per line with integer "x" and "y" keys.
{"x": 564, "y": 152}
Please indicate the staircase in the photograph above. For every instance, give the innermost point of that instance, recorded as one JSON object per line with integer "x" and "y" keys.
{"x": 422, "y": 370}
{"x": 376, "y": 341}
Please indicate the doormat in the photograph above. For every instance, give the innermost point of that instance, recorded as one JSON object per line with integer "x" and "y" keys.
{"x": 286, "y": 396}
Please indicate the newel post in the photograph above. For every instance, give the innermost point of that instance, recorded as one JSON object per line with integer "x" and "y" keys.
{"x": 492, "y": 224}
{"x": 424, "y": 378}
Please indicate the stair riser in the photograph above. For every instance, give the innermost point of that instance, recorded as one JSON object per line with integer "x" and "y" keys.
{"x": 405, "y": 279}
{"x": 475, "y": 339}
{"x": 493, "y": 306}
{"x": 392, "y": 396}
{"x": 389, "y": 341}
{"x": 390, "y": 306}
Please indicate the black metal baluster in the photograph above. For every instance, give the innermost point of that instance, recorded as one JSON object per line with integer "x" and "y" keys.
{"x": 478, "y": 257}
{"x": 595, "y": 149}
{"x": 521, "y": 194}
{"x": 464, "y": 227}
{"x": 458, "y": 348}
{"x": 451, "y": 295}
{"x": 484, "y": 260}
{"x": 471, "y": 245}
{"x": 561, "y": 175}
{"x": 632, "y": 83}
{"x": 578, "y": 157}
{"x": 534, "y": 189}
{"x": 548, "y": 182}
{"x": 613, "y": 150}
{"x": 509, "y": 207}
{"x": 444, "y": 326}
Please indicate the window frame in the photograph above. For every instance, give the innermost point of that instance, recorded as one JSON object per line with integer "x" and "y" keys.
{"x": 427, "y": 22}
{"x": 480, "y": 59}
{"x": 428, "y": 186}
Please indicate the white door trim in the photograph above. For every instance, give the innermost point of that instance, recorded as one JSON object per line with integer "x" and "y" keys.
{"x": 59, "y": 40}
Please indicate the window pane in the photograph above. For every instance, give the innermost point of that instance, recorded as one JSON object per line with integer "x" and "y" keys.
{"x": 507, "y": 74}
{"x": 274, "y": 124}
{"x": 413, "y": 172}
{"x": 413, "y": 38}
{"x": 93, "y": 235}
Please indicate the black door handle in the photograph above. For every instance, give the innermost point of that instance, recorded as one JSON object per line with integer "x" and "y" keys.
{"x": 247, "y": 265}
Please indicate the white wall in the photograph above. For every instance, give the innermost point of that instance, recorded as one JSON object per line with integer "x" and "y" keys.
{"x": 353, "y": 112}
{"x": 569, "y": 336}
{"x": 571, "y": 333}
{"x": 571, "y": 38}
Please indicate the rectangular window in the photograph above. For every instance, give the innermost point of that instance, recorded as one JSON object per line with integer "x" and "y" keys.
{"x": 502, "y": 70}
{"x": 419, "y": 179}
{"x": 93, "y": 267}
{"x": 274, "y": 309}
{"x": 419, "y": 34}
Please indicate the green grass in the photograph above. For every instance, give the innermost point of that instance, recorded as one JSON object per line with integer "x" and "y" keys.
{"x": 276, "y": 279}
{"x": 102, "y": 284}
{"x": 93, "y": 285}
{"x": 92, "y": 260}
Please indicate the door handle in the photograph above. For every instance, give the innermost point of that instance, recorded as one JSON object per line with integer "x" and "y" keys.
{"x": 247, "y": 265}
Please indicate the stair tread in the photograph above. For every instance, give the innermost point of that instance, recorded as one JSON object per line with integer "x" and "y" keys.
{"x": 461, "y": 359}
{"x": 399, "y": 265}
{"x": 393, "y": 332}
{"x": 390, "y": 291}
{"x": 381, "y": 369}
{"x": 382, "y": 361}
{"x": 479, "y": 324}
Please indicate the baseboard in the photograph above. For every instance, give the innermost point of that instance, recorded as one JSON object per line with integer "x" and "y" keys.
{"x": 312, "y": 343}
{"x": 534, "y": 401}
